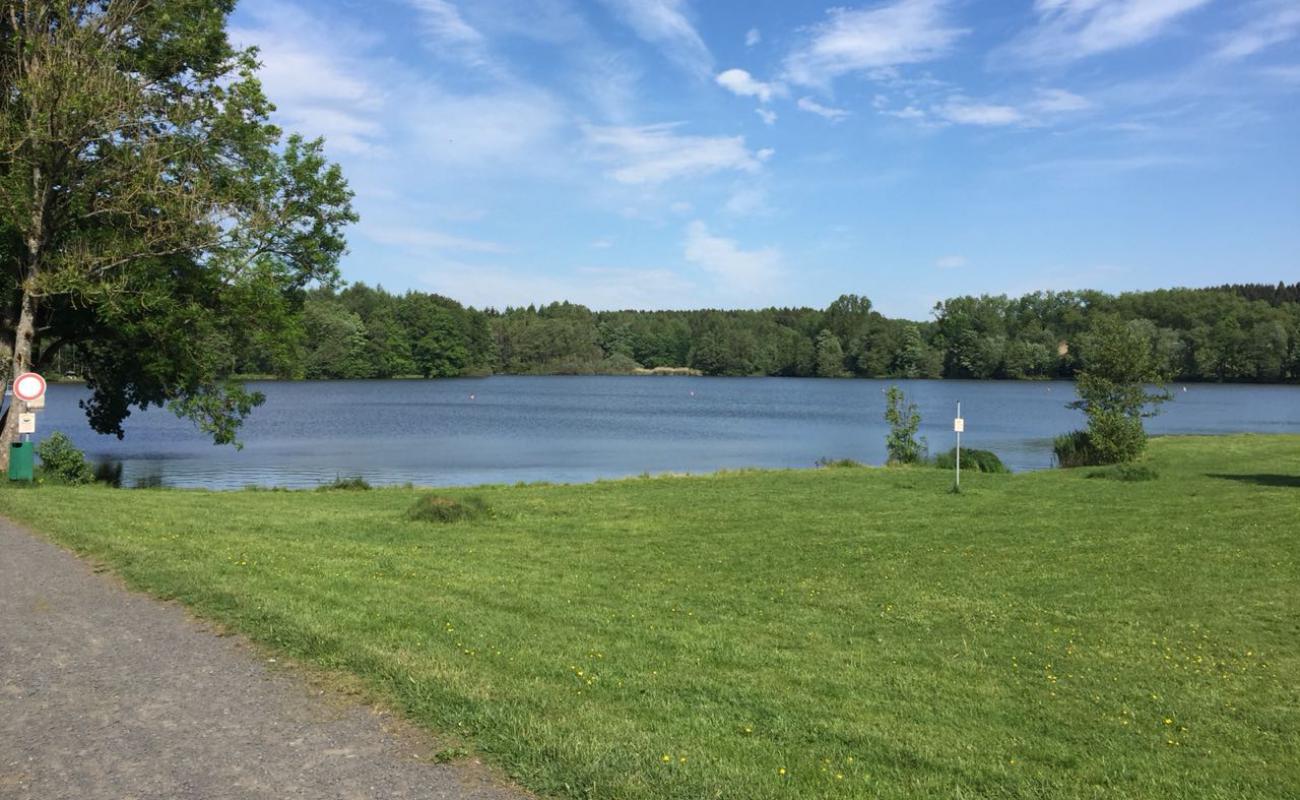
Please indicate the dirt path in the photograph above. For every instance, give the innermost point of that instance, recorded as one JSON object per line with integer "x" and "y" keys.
{"x": 106, "y": 693}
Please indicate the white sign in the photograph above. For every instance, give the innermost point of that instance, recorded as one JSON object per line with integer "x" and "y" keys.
{"x": 29, "y": 387}
{"x": 959, "y": 425}
{"x": 27, "y": 423}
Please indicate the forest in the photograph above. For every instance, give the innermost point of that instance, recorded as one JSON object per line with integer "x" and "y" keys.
{"x": 1235, "y": 333}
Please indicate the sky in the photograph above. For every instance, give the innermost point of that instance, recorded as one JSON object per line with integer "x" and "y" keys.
{"x": 743, "y": 154}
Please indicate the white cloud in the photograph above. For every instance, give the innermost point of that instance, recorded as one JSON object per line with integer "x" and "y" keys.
{"x": 511, "y": 126}
{"x": 748, "y": 271}
{"x": 951, "y": 262}
{"x": 421, "y": 239}
{"x": 653, "y": 154}
{"x": 813, "y": 107}
{"x": 597, "y": 287}
{"x": 967, "y": 112}
{"x": 442, "y": 20}
{"x": 1287, "y": 73}
{"x": 1273, "y": 22}
{"x": 1068, "y": 30}
{"x": 753, "y": 37}
{"x": 909, "y": 112}
{"x": 1059, "y": 101}
{"x": 315, "y": 93}
{"x": 768, "y": 116}
{"x": 746, "y": 201}
{"x": 741, "y": 83}
{"x": 900, "y": 32}
{"x": 665, "y": 23}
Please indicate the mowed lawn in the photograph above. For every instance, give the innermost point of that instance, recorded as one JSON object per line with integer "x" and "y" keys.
{"x": 791, "y": 634}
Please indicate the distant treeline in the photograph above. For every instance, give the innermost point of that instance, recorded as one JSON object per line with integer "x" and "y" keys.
{"x": 1229, "y": 333}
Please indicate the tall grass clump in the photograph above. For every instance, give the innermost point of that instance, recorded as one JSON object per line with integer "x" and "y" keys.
{"x": 1126, "y": 472}
{"x": 437, "y": 508}
{"x": 1074, "y": 449}
{"x": 838, "y": 463}
{"x": 973, "y": 460}
{"x": 353, "y": 483}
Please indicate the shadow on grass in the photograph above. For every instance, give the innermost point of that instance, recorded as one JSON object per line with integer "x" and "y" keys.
{"x": 1262, "y": 479}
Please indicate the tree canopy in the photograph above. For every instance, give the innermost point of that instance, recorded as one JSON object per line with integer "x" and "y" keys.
{"x": 1189, "y": 335}
{"x": 152, "y": 219}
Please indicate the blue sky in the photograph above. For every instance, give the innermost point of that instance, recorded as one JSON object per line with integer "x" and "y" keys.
{"x": 693, "y": 153}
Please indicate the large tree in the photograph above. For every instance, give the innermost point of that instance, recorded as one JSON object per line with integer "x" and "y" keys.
{"x": 150, "y": 214}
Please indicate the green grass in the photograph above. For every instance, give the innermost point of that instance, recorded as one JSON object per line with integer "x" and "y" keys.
{"x": 1037, "y": 636}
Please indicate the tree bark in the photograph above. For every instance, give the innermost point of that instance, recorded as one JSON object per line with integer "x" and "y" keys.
{"x": 24, "y": 339}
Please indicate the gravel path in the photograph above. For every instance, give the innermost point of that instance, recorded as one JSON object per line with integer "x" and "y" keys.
{"x": 107, "y": 693}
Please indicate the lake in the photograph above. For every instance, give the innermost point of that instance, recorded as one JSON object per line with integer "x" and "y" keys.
{"x": 508, "y": 429}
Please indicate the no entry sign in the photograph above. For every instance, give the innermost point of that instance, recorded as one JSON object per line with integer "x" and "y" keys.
{"x": 29, "y": 387}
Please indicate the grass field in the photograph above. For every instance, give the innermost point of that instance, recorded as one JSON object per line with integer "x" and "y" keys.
{"x": 797, "y": 634}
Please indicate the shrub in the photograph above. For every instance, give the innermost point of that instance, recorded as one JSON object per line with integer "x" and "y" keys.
{"x": 971, "y": 459}
{"x": 62, "y": 462}
{"x": 437, "y": 508}
{"x": 354, "y": 483}
{"x": 1126, "y": 472}
{"x": 1074, "y": 449}
{"x": 904, "y": 421}
{"x": 838, "y": 463}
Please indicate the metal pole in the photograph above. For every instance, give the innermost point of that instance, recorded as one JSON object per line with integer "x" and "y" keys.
{"x": 959, "y": 447}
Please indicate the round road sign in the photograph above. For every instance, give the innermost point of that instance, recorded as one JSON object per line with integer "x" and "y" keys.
{"x": 29, "y": 386}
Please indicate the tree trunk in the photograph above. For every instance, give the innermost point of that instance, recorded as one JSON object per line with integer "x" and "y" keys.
{"x": 24, "y": 339}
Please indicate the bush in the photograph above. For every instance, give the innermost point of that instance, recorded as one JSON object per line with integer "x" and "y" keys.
{"x": 355, "y": 483}
{"x": 838, "y": 463}
{"x": 436, "y": 508}
{"x": 1074, "y": 449}
{"x": 971, "y": 459}
{"x": 62, "y": 462}
{"x": 1126, "y": 472}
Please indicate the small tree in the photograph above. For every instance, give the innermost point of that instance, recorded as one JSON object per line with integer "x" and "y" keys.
{"x": 1118, "y": 365}
{"x": 904, "y": 421}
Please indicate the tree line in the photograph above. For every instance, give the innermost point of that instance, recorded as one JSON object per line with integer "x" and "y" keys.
{"x": 1234, "y": 333}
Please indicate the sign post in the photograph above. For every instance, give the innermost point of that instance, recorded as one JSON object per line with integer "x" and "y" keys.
{"x": 958, "y": 425}
{"x": 29, "y": 395}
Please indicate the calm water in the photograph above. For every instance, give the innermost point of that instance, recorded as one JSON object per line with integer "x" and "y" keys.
{"x": 509, "y": 429}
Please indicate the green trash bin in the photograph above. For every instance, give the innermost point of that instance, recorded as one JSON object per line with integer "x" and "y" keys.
{"x": 20, "y": 461}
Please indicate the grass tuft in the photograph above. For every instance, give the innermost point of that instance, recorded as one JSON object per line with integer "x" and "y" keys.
{"x": 353, "y": 483}
{"x": 1126, "y": 472}
{"x": 436, "y": 508}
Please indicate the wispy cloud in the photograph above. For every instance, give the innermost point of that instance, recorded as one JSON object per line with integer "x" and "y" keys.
{"x": 421, "y": 239}
{"x": 854, "y": 40}
{"x": 665, "y": 24}
{"x": 746, "y": 270}
{"x": 827, "y": 112}
{"x": 753, "y": 37}
{"x": 967, "y": 112}
{"x": 315, "y": 93}
{"x": 951, "y": 262}
{"x": 1046, "y": 106}
{"x": 768, "y": 116}
{"x": 1069, "y": 30}
{"x": 601, "y": 288}
{"x": 449, "y": 33}
{"x": 741, "y": 83}
{"x": 1271, "y": 23}
{"x": 653, "y": 154}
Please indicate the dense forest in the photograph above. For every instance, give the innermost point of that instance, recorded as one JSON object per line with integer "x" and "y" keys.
{"x": 1228, "y": 333}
